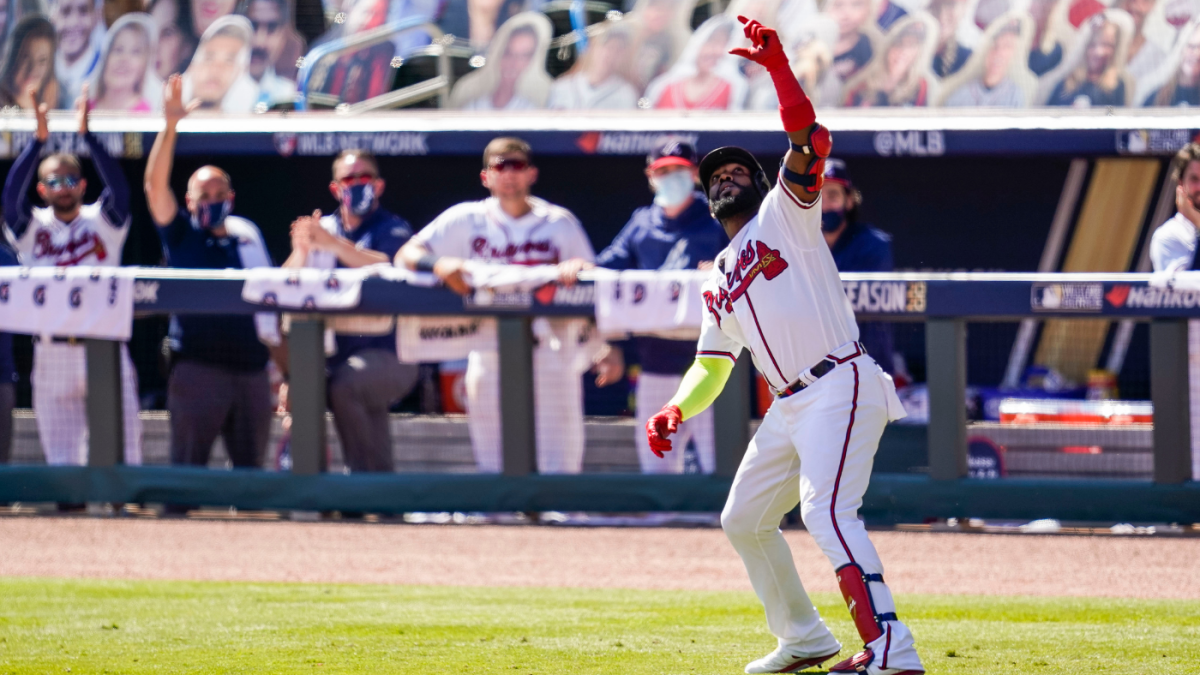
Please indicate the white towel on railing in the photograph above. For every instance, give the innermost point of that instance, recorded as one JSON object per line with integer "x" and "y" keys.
{"x": 306, "y": 288}
{"x": 665, "y": 303}
{"x": 84, "y": 301}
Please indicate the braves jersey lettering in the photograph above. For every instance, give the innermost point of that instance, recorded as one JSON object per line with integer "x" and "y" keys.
{"x": 79, "y": 245}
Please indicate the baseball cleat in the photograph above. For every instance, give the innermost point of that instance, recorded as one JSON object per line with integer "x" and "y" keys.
{"x": 863, "y": 662}
{"x": 781, "y": 661}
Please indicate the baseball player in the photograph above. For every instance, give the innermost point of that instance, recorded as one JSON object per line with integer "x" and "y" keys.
{"x": 68, "y": 232}
{"x": 512, "y": 227}
{"x": 8, "y": 371}
{"x": 775, "y": 291}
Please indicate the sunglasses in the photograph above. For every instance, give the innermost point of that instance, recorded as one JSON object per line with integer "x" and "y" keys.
{"x": 509, "y": 165}
{"x": 55, "y": 182}
{"x": 357, "y": 179}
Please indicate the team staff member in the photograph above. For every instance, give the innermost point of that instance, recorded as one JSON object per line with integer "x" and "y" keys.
{"x": 218, "y": 383}
{"x": 365, "y": 376}
{"x": 513, "y": 227}
{"x": 675, "y": 233}
{"x": 64, "y": 233}
{"x": 776, "y": 292}
{"x": 8, "y": 373}
{"x": 856, "y": 247}
{"x": 1173, "y": 247}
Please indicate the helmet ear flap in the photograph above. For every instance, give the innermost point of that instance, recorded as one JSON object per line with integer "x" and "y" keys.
{"x": 761, "y": 183}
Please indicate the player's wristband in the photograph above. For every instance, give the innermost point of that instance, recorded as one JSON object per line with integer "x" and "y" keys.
{"x": 426, "y": 262}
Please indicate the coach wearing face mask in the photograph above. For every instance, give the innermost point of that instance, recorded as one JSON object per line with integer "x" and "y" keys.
{"x": 675, "y": 233}
{"x": 856, "y": 247}
{"x": 365, "y": 377}
{"x": 218, "y": 383}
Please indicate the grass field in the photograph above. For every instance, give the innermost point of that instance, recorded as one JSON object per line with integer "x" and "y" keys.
{"x": 86, "y": 626}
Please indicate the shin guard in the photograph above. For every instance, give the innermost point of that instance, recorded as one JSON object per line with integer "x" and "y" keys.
{"x": 853, "y": 582}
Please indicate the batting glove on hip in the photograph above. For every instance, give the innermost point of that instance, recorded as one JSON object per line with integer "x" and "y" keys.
{"x": 664, "y": 423}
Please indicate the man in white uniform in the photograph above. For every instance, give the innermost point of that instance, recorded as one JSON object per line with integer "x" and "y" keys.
{"x": 514, "y": 228}
{"x": 63, "y": 233}
{"x": 1173, "y": 248}
{"x": 775, "y": 291}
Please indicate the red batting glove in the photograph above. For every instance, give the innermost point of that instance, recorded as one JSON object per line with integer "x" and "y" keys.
{"x": 767, "y": 51}
{"x": 795, "y": 108}
{"x": 664, "y": 423}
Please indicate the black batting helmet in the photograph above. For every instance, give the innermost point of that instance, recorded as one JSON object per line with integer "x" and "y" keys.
{"x": 730, "y": 153}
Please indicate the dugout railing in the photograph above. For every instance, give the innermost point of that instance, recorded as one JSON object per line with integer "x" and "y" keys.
{"x": 944, "y": 302}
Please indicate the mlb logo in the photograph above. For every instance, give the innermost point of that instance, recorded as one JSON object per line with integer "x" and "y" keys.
{"x": 285, "y": 144}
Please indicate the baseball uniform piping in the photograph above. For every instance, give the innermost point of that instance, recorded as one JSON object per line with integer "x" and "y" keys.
{"x": 841, "y": 465}
{"x": 754, "y": 314}
{"x": 726, "y": 355}
{"x": 794, "y": 198}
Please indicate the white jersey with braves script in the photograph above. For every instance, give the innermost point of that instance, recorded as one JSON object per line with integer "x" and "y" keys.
{"x": 775, "y": 290}
{"x": 91, "y": 239}
{"x": 547, "y": 235}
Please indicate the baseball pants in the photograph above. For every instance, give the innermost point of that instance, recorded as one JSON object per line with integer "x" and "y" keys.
{"x": 206, "y": 401}
{"x": 814, "y": 448}
{"x": 60, "y": 403}
{"x": 361, "y": 392}
{"x": 558, "y": 410}
{"x": 8, "y": 397}
{"x": 653, "y": 392}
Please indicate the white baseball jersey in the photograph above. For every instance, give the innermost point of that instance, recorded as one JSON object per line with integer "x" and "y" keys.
{"x": 91, "y": 239}
{"x": 775, "y": 290}
{"x": 547, "y": 235}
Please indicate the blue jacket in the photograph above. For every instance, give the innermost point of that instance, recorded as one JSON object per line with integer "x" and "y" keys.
{"x": 651, "y": 241}
{"x": 862, "y": 248}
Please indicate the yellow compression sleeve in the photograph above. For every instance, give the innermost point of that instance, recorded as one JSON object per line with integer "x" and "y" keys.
{"x": 701, "y": 385}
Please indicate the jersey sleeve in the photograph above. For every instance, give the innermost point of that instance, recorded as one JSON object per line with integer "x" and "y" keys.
{"x": 1169, "y": 251}
{"x": 714, "y": 342}
{"x": 115, "y": 197}
{"x": 18, "y": 210}
{"x": 800, "y": 222}
{"x": 575, "y": 240}
{"x": 447, "y": 234}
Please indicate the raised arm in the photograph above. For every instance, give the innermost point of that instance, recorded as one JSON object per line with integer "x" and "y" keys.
{"x": 114, "y": 199}
{"x": 18, "y": 210}
{"x": 804, "y": 165}
{"x": 159, "y": 198}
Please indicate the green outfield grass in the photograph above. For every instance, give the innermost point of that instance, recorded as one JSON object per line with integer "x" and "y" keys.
{"x": 85, "y": 626}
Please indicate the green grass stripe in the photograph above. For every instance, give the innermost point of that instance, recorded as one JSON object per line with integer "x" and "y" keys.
{"x": 88, "y": 626}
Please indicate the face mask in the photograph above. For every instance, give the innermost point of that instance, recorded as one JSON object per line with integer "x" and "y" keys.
{"x": 211, "y": 214}
{"x": 359, "y": 199}
{"x": 673, "y": 188}
{"x": 832, "y": 220}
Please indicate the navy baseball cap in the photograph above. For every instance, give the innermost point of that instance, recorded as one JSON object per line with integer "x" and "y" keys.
{"x": 836, "y": 172}
{"x": 672, "y": 151}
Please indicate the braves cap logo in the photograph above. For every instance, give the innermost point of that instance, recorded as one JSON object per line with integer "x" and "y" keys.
{"x": 76, "y": 297}
{"x": 332, "y": 283}
{"x": 39, "y": 295}
{"x": 270, "y": 298}
{"x": 293, "y": 279}
{"x": 4, "y": 290}
{"x": 639, "y": 293}
{"x": 309, "y": 302}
